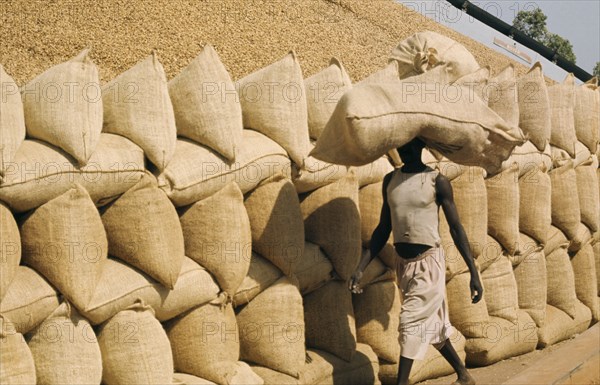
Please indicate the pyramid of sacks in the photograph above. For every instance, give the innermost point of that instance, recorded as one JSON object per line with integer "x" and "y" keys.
{"x": 178, "y": 231}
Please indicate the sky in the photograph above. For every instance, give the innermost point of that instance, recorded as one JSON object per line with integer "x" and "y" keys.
{"x": 575, "y": 20}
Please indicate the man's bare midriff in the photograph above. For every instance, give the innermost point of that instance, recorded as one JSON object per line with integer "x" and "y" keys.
{"x": 410, "y": 250}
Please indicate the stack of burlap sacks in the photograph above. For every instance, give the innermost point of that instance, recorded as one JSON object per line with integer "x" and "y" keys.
{"x": 179, "y": 232}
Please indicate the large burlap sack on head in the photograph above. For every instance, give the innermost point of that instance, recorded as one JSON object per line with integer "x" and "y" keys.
{"x": 197, "y": 172}
{"x": 122, "y": 285}
{"x": 566, "y": 214}
{"x": 323, "y": 90}
{"x": 373, "y": 172}
{"x": 364, "y": 125}
{"x": 205, "y": 342}
{"x": 501, "y": 290}
{"x": 503, "y": 208}
{"x": 561, "y": 281}
{"x": 63, "y": 106}
{"x": 387, "y": 73}
{"x": 261, "y": 274}
{"x": 274, "y": 102}
{"x": 424, "y": 50}
{"x": 137, "y": 105}
{"x": 535, "y": 208}
{"x": 315, "y": 174}
{"x": 217, "y": 236}
{"x": 64, "y": 240}
{"x": 206, "y": 106}
{"x": 587, "y": 189}
{"x": 502, "y": 95}
{"x": 586, "y": 281}
{"x": 534, "y": 107}
{"x": 17, "y": 362}
{"x": 329, "y": 318}
{"x": 560, "y": 326}
{"x": 271, "y": 328}
{"x": 469, "y": 318}
{"x": 377, "y": 314}
{"x": 65, "y": 349}
{"x": 276, "y": 223}
{"x": 135, "y": 348}
{"x": 143, "y": 229}
{"x": 332, "y": 220}
{"x": 587, "y": 113}
{"x": 10, "y": 249}
{"x": 562, "y": 102}
{"x": 314, "y": 269}
{"x": 531, "y": 278}
{"x": 12, "y": 119}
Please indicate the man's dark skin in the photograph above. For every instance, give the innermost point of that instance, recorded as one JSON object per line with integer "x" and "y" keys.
{"x": 410, "y": 154}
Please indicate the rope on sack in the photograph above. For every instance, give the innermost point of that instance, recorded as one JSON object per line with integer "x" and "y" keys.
{"x": 426, "y": 60}
{"x": 222, "y": 300}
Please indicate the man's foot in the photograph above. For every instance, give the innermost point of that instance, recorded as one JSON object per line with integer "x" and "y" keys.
{"x": 464, "y": 379}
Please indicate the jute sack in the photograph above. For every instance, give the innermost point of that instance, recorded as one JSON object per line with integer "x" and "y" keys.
{"x": 531, "y": 278}
{"x": 377, "y": 271}
{"x": 273, "y": 102}
{"x": 476, "y": 81}
{"x": 560, "y": 157}
{"x": 28, "y": 300}
{"x": 534, "y": 107}
{"x": 562, "y": 102}
{"x": 582, "y": 237}
{"x": 135, "y": 348}
{"x": 143, "y": 229}
{"x": 137, "y": 105}
{"x": 587, "y": 113}
{"x": 377, "y": 314}
{"x": 373, "y": 172}
{"x": 271, "y": 328}
{"x": 205, "y": 342}
{"x": 17, "y": 362}
{"x": 560, "y": 326}
{"x": 12, "y": 120}
{"x": 556, "y": 239}
{"x": 313, "y": 270}
{"x": 503, "y": 339}
{"x": 197, "y": 172}
{"x": 596, "y": 247}
{"x": 370, "y": 201}
{"x": 566, "y": 214}
{"x": 364, "y": 125}
{"x": 528, "y": 157}
{"x": 217, "y": 236}
{"x": 502, "y": 95}
{"x": 323, "y": 90}
{"x": 64, "y": 240}
{"x": 63, "y": 106}
{"x": 586, "y": 281}
{"x": 206, "y": 105}
{"x": 561, "y": 281}
{"x": 115, "y": 166}
{"x": 244, "y": 375}
{"x": 276, "y": 223}
{"x": 387, "y": 73}
{"x": 501, "y": 290}
{"x": 332, "y": 220}
{"x": 122, "y": 285}
{"x": 261, "y": 274}
{"x": 492, "y": 251}
{"x": 503, "y": 208}
{"x": 469, "y": 318}
{"x": 424, "y": 50}
{"x": 315, "y": 174}
{"x": 329, "y": 318}
{"x": 587, "y": 190}
{"x": 10, "y": 249}
{"x": 65, "y": 349}
{"x": 535, "y": 197}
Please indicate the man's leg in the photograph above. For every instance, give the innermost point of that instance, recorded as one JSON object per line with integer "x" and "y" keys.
{"x": 448, "y": 352}
{"x": 404, "y": 368}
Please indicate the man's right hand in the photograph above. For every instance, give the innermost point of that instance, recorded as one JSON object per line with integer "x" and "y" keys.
{"x": 354, "y": 284}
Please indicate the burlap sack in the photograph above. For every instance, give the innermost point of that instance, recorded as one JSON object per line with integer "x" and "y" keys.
{"x": 556, "y": 239}
{"x": 370, "y": 201}
{"x": 502, "y": 96}
{"x": 377, "y": 314}
{"x": 313, "y": 270}
{"x": 197, "y": 172}
{"x": 535, "y": 210}
{"x": 364, "y": 125}
{"x": 206, "y": 104}
{"x": 562, "y": 102}
{"x": 217, "y": 236}
{"x": 315, "y": 174}
{"x": 587, "y": 114}
{"x": 17, "y": 362}
{"x": 271, "y": 328}
{"x": 387, "y": 73}
{"x": 135, "y": 348}
{"x": 587, "y": 190}
{"x": 531, "y": 278}
{"x": 561, "y": 281}
{"x": 534, "y": 106}
{"x": 137, "y": 105}
{"x": 115, "y": 166}
{"x": 596, "y": 247}
{"x": 581, "y": 238}
{"x": 476, "y": 81}
{"x": 12, "y": 119}
{"x": 65, "y": 349}
{"x": 10, "y": 249}
{"x": 503, "y": 208}
{"x": 501, "y": 290}
{"x": 243, "y": 375}
{"x": 373, "y": 172}
{"x": 560, "y": 326}
{"x": 528, "y": 157}
{"x": 205, "y": 342}
{"x": 188, "y": 379}
{"x": 424, "y": 50}
{"x": 377, "y": 271}
{"x": 332, "y": 220}
{"x": 469, "y": 318}
{"x": 121, "y": 286}
{"x": 565, "y": 202}
{"x": 63, "y": 106}
{"x": 276, "y": 223}
{"x": 261, "y": 275}
{"x": 560, "y": 157}
{"x": 274, "y": 102}
{"x": 323, "y": 90}
{"x": 64, "y": 240}
{"x": 329, "y": 318}
{"x": 491, "y": 252}
{"x": 586, "y": 281}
